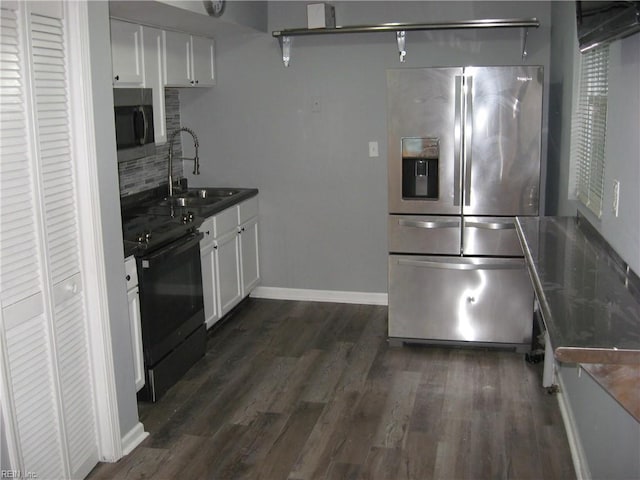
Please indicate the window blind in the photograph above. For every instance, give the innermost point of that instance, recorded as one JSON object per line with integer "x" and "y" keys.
{"x": 590, "y": 127}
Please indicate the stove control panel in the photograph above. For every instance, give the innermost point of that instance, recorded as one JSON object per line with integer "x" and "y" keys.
{"x": 144, "y": 237}
{"x": 187, "y": 217}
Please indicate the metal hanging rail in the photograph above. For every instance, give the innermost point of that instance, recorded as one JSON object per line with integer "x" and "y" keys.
{"x": 400, "y": 29}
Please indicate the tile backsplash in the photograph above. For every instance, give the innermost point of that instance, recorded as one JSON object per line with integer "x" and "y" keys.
{"x": 149, "y": 172}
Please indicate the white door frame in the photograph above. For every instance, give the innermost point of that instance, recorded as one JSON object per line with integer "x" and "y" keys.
{"x": 92, "y": 247}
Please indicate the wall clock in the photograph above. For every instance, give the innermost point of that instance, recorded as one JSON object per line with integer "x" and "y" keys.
{"x": 215, "y": 8}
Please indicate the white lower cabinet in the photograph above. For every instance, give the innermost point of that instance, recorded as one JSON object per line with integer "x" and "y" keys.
{"x": 250, "y": 269}
{"x": 208, "y": 259}
{"x": 133, "y": 295}
{"x": 230, "y": 261}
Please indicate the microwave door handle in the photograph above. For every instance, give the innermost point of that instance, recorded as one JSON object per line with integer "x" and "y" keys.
{"x": 145, "y": 127}
{"x": 136, "y": 125}
{"x": 141, "y": 126}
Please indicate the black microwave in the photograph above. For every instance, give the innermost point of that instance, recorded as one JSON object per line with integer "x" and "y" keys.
{"x": 134, "y": 123}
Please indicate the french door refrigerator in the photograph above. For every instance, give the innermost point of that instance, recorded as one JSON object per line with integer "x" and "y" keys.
{"x": 463, "y": 161}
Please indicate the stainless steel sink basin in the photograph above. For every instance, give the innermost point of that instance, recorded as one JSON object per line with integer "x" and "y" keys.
{"x": 190, "y": 201}
{"x": 218, "y": 193}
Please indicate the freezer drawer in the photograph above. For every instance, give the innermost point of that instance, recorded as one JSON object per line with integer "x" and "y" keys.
{"x": 490, "y": 236}
{"x": 424, "y": 234}
{"x": 457, "y": 299}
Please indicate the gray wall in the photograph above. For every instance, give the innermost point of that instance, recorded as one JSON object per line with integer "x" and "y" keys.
{"x": 623, "y": 151}
{"x": 109, "y": 196}
{"x": 623, "y": 140}
{"x": 609, "y": 435}
{"x": 323, "y": 201}
{"x": 564, "y": 44}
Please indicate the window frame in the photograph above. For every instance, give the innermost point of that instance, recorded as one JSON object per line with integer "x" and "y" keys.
{"x": 589, "y": 127}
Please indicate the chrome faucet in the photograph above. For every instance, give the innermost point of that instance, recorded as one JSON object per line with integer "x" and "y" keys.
{"x": 196, "y": 159}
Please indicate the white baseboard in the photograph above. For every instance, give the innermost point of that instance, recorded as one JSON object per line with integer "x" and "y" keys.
{"x": 335, "y": 296}
{"x": 573, "y": 436}
{"x": 133, "y": 438}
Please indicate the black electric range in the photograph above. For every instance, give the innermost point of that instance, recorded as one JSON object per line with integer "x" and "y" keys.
{"x": 165, "y": 241}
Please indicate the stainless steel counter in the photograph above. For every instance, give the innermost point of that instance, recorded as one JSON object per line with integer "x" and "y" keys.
{"x": 590, "y": 302}
{"x": 589, "y": 298}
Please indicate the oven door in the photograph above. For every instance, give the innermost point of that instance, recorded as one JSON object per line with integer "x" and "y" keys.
{"x": 171, "y": 304}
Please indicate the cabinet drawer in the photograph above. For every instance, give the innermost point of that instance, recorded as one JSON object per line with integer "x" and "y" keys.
{"x": 247, "y": 210}
{"x": 225, "y": 221}
{"x": 131, "y": 272}
{"x": 423, "y": 234}
{"x": 491, "y": 236}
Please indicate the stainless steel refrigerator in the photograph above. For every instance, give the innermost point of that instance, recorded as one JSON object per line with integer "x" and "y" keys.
{"x": 463, "y": 161}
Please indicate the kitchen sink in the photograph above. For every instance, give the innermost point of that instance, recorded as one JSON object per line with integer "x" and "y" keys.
{"x": 205, "y": 193}
{"x": 200, "y": 197}
{"x": 190, "y": 201}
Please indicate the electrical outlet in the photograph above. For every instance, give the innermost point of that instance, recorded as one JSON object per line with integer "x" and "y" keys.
{"x": 616, "y": 197}
{"x": 373, "y": 149}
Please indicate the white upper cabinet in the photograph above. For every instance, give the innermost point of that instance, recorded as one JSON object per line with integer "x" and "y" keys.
{"x": 154, "y": 79}
{"x": 127, "y": 54}
{"x": 189, "y": 60}
{"x": 177, "y": 55}
{"x": 203, "y": 50}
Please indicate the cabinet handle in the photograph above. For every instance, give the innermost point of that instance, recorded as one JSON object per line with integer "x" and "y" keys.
{"x": 128, "y": 277}
{"x": 117, "y": 77}
{"x": 207, "y": 232}
{"x": 215, "y": 247}
{"x": 192, "y": 82}
{"x": 196, "y": 81}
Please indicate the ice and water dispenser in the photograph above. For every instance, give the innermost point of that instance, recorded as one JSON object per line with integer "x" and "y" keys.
{"x": 420, "y": 158}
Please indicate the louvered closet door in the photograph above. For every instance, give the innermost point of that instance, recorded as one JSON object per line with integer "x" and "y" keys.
{"x": 44, "y": 316}
{"x": 26, "y": 330}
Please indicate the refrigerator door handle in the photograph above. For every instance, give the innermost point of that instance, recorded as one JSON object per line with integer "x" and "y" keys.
{"x": 468, "y": 131}
{"x": 515, "y": 264}
{"x": 491, "y": 225}
{"x": 457, "y": 141}
{"x": 403, "y": 222}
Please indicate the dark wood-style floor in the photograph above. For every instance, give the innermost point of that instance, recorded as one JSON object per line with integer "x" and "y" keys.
{"x": 302, "y": 390}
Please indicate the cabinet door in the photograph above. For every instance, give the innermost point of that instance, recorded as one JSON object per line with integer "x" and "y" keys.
{"x": 154, "y": 79}
{"x": 228, "y": 271}
{"x": 249, "y": 256}
{"x": 136, "y": 336}
{"x": 209, "y": 295}
{"x": 177, "y": 59}
{"x": 203, "y": 61}
{"x": 127, "y": 54}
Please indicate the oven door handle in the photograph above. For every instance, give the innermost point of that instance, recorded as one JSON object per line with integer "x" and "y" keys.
{"x": 174, "y": 248}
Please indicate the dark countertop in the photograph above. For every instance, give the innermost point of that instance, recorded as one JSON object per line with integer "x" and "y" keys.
{"x": 589, "y": 298}
{"x": 148, "y": 202}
